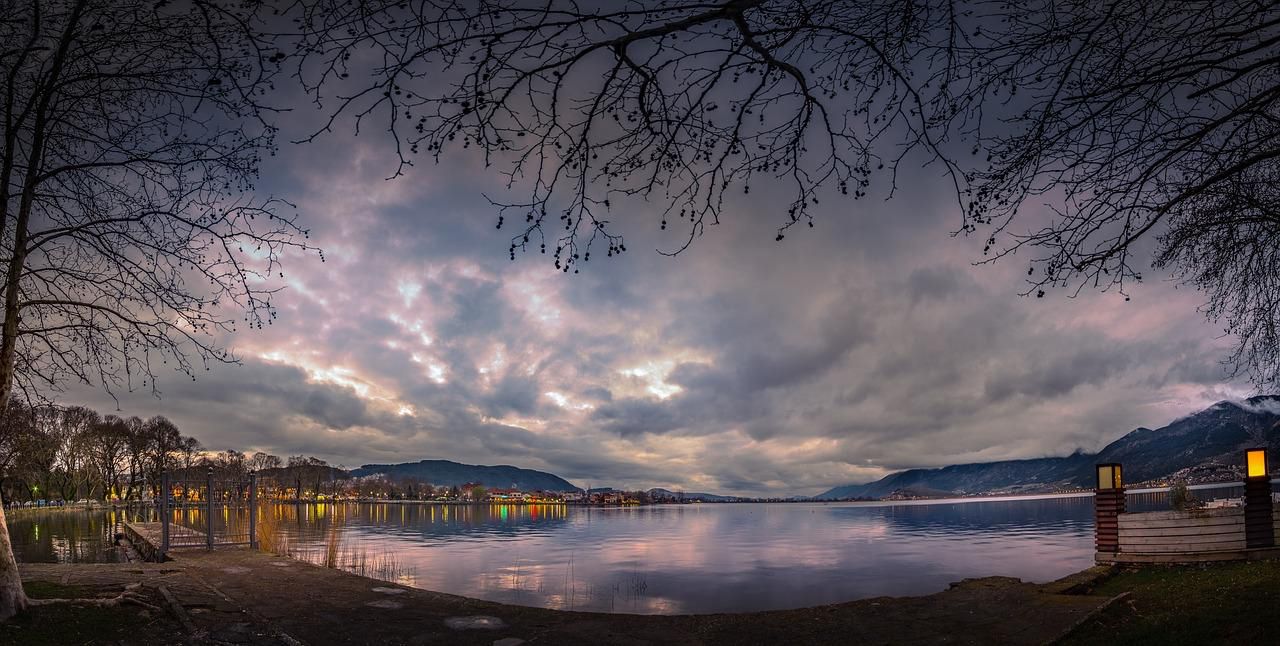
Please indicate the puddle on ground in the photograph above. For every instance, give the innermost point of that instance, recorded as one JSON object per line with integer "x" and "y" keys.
{"x": 382, "y": 590}
{"x": 385, "y": 603}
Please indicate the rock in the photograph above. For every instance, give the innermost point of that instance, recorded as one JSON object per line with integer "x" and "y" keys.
{"x": 475, "y": 622}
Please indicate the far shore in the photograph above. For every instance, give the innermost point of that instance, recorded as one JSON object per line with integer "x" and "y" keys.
{"x": 17, "y": 509}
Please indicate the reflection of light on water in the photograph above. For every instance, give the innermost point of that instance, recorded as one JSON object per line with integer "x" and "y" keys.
{"x": 659, "y": 559}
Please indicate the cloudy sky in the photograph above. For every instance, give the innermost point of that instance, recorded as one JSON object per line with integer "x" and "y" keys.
{"x": 867, "y": 344}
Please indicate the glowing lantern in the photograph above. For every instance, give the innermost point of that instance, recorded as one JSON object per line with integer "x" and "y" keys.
{"x": 1256, "y": 463}
{"x": 1109, "y": 476}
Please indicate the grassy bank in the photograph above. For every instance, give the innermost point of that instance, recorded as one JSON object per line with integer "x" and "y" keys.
{"x": 66, "y": 624}
{"x": 1236, "y": 603}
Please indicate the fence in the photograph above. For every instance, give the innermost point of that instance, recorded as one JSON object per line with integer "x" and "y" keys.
{"x": 1188, "y": 535}
{"x": 207, "y": 512}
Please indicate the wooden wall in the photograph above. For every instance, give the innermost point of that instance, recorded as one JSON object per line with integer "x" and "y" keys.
{"x": 1172, "y": 532}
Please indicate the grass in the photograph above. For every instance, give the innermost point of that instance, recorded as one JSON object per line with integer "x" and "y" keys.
{"x": 69, "y": 625}
{"x": 51, "y": 590}
{"x": 1236, "y": 603}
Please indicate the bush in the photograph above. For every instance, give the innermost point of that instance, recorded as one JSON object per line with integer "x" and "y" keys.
{"x": 1181, "y": 498}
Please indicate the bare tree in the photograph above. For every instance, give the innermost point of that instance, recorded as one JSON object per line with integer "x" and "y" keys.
{"x": 262, "y": 460}
{"x": 232, "y": 463}
{"x": 190, "y": 452}
{"x": 109, "y": 450}
{"x": 1138, "y": 125}
{"x": 1142, "y": 126}
{"x": 165, "y": 449}
{"x": 17, "y": 426}
{"x": 132, "y": 136}
{"x": 70, "y": 432}
{"x": 136, "y": 443}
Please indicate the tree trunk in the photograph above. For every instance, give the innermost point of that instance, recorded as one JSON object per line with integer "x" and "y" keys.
{"x": 12, "y": 597}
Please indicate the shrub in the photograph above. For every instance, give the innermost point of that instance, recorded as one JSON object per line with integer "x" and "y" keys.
{"x": 1181, "y": 498}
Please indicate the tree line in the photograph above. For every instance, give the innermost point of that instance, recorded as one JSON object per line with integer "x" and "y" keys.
{"x": 67, "y": 453}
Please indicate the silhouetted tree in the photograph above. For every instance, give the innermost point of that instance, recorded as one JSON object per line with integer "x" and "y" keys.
{"x": 190, "y": 453}
{"x": 261, "y": 460}
{"x": 17, "y": 427}
{"x": 70, "y": 431}
{"x": 109, "y": 450}
{"x": 232, "y": 463}
{"x": 163, "y": 449}
{"x": 1141, "y": 125}
{"x": 136, "y": 442}
{"x": 132, "y": 133}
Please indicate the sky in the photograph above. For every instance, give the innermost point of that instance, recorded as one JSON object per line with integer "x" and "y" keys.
{"x": 865, "y": 345}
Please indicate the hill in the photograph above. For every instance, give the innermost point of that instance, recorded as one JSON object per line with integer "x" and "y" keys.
{"x": 1216, "y": 435}
{"x": 448, "y": 473}
{"x": 682, "y": 495}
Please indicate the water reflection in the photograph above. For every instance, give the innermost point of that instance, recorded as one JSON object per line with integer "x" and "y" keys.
{"x": 66, "y": 536}
{"x": 659, "y": 559}
{"x": 703, "y": 558}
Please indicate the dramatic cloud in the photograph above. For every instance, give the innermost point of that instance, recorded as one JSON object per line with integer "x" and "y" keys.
{"x": 867, "y": 344}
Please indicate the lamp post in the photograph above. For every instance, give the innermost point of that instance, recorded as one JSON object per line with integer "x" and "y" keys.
{"x": 1259, "y": 530}
{"x": 1108, "y": 504}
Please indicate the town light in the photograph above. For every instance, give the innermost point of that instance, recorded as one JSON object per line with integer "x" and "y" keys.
{"x": 1255, "y": 463}
{"x": 1109, "y": 476}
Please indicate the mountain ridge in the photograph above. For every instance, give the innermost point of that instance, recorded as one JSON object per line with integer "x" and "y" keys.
{"x": 1213, "y": 435}
{"x": 449, "y": 473}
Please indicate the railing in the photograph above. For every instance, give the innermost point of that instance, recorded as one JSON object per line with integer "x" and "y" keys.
{"x": 208, "y": 512}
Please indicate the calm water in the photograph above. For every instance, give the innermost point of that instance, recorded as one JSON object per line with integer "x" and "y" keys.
{"x": 660, "y": 559}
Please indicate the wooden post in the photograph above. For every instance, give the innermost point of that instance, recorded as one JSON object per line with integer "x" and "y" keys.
{"x": 164, "y": 514}
{"x": 1259, "y": 521}
{"x": 1259, "y": 528}
{"x": 1108, "y": 504}
{"x": 253, "y": 510}
{"x": 208, "y": 506}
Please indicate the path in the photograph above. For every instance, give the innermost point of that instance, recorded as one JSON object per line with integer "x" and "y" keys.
{"x": 243, "y": 597}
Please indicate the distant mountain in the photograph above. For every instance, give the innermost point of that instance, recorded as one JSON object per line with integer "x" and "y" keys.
{"x": 1216, "y": 435}
{"x": 449, "y": 474}
{"x": 683, "y": 495}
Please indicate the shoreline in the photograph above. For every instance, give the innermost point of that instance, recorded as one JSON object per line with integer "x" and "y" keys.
{"x": 283, "y": 600}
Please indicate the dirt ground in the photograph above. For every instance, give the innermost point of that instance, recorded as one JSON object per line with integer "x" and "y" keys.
{"x": 243, "y": 597}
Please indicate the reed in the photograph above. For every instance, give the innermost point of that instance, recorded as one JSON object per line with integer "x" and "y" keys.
{"x": 332, "y": 546}
{"x": 271, "y": 537}
{"x": 383, "y": 567}
{"x": 337, "y": 553}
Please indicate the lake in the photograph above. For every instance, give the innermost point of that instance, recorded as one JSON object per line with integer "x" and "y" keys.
{"x": 696, "y": 558}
